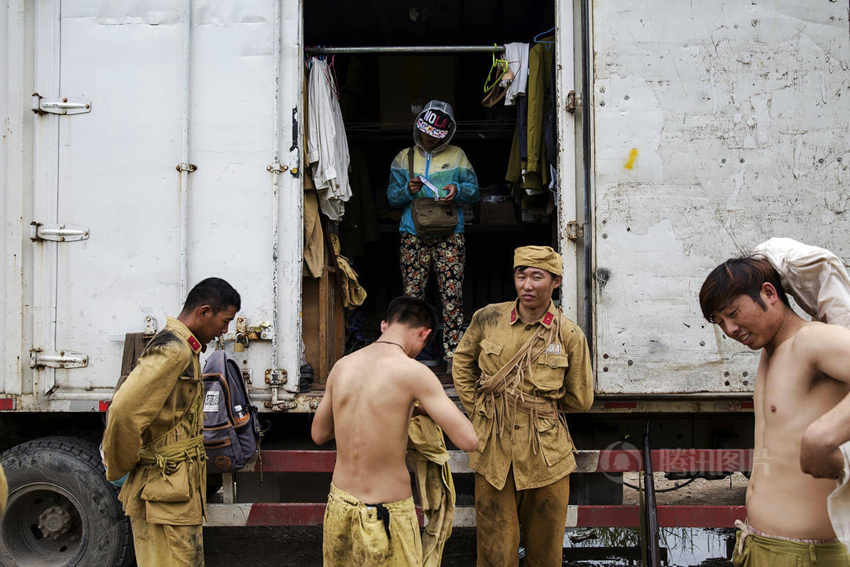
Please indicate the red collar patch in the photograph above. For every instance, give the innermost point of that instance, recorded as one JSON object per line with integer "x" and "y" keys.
{"x": 548, "y": 318}
{"x": 513, "y": 315}
{"x": 193, "y": 342}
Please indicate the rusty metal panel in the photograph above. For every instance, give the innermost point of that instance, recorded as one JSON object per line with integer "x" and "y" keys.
{"x": 717, "y": 125}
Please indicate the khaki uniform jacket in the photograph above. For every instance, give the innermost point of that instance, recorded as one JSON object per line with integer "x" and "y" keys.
{"x": 158, "y": 406}
{"x": 562, "y": 374}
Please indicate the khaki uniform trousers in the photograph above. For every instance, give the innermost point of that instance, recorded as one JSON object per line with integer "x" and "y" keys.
{"x": 761, "y": 551}
{"x": 536, "y": 517}
{"x": 355, "y": 534}
{"x": 166, "y": 545}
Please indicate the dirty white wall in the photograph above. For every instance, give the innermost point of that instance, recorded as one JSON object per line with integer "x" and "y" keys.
{"x": 717, "y": 125}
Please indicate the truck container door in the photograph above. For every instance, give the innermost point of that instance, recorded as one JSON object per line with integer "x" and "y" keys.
{"x": 711, "y": 135}
{"x": 147, "y": 202}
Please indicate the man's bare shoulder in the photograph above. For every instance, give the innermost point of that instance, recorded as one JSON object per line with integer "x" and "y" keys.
{"x": 814, "y": 335}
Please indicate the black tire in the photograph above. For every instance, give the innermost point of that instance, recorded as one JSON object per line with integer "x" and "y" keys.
{"x": 61, "y": 509}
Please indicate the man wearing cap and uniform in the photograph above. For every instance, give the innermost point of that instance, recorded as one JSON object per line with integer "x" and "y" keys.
{"x": 447, "y": 169}
{"x": 519, "y": 365}
{"x": 154, "y": 432}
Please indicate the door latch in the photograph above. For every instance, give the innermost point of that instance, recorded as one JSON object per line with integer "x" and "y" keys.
{"x": 62, "y": 359}
{"x": 62, "y": 106}
{"x": 57, "y": 232}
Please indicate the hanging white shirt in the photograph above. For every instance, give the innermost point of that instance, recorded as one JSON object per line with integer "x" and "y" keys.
{"x": 327, "y": 145}
{"x": 516, "y": 54}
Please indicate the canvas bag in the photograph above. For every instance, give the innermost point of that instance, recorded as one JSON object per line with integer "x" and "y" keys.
{"x": 431, "y": 218}
{"x": 231, "y": 426}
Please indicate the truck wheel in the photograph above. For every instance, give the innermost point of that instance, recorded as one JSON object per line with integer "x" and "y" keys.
{"x": 61, "y": 509}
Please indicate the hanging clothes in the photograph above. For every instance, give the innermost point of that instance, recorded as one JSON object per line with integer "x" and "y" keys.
{"x": 534, "y": 147}
{"x": 353, "y": 293}
{"x": 314, "y": 239}
{"x": 516, "y": 55}
{"x": 327, "y": 145}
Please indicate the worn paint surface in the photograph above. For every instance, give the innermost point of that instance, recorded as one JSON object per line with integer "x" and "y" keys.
{"x": 113, "y": 172}
{"x": 739, "y": 113}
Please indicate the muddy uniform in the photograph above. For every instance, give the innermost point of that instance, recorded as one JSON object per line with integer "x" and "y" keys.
{"x": 514, "y": 379}
{"x": 756, "y": 549}
{"x": 356, "y": 534}
{"x": 154, "y": 432}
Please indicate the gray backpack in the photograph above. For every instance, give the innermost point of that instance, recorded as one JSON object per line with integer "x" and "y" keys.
{"x": 231, "y": 427}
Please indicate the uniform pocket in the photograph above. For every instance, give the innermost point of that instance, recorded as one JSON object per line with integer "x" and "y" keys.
{"x": 170, "y": 488}
{"x": 554, "y": 441}
{"x": 549, "y": 371}
{"x": 488, "y": 360}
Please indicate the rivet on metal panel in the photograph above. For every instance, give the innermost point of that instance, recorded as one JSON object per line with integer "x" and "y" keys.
{"x": 574, "y": 231}
{"x": 571, "y": 102}
{"x": 187, "y": 167}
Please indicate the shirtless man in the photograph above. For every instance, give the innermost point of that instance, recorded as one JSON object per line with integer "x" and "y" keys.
{"x": 803, "y": 373}
{"x": 370, "y": 519}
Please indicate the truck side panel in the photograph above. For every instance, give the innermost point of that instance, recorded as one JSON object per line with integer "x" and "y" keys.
{"x": 717, "y": 126}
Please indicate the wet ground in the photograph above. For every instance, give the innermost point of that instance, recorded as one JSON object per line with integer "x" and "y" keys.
{"x": 302, "y": 547}
{"x": 596, "y": 547}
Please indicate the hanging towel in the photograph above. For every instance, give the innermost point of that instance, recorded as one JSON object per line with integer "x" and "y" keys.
{"x": 327, "y": 146}
{"x": 429, "y": 460}
{"x": 838, "y": 502}
{"x": 516, "y": 55}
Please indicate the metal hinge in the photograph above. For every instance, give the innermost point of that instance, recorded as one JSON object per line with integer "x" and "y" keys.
{"x": 187, "y": 167}
{"x": 57, "y": 232}
{"x": 62, "y": 359}
{"x": 571, "y": 102}
{"x": 62, "y": 106}
{"x": 574, "y": 230}
{"x": 276, "y": 167}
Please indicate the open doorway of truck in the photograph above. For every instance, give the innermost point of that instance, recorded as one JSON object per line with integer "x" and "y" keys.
{"x": 380, "y": 94}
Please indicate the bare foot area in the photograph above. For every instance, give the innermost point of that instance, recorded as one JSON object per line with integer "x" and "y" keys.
{"x": 723, "y": 492}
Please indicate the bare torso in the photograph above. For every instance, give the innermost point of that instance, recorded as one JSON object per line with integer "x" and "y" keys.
{"x": 789, "y": 395}
{"x": 372, "y": 403}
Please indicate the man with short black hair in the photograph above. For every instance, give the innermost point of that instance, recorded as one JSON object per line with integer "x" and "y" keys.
{"x": 519, "y": 365}
{"x": 370, "y": 518}
{"x": 154, "y": 432}
{"x": 802, "y": 376}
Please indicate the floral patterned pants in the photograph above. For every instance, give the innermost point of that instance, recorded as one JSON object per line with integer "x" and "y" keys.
{"x": 446, "y": 256}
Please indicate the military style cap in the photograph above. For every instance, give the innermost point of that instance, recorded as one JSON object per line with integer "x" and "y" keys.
{"x": 542, "y": 257}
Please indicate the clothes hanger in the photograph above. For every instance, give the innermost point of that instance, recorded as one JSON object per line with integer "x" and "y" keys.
{"x": 498, "y": 68}
{"x": 543, "y": 34}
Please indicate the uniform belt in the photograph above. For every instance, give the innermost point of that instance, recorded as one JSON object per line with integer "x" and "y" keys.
{"x": 529, "y": 404}
{"x": 169, "y": 457}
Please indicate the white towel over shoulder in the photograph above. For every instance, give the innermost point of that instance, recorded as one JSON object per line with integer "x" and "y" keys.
{"x": 815, "y": 277}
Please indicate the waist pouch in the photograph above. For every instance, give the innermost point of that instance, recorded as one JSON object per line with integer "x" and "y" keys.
{"x": 167, "y": 474}
{"x": 431, "y": 218}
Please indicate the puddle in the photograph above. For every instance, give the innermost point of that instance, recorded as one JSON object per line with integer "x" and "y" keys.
{"x": 683, "y": 547}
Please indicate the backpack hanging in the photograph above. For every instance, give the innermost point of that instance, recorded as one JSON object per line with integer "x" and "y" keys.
{"x": 231, "y": 425}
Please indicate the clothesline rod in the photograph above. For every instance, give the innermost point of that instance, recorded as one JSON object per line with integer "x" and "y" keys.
{"x": 407, "y": 49}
